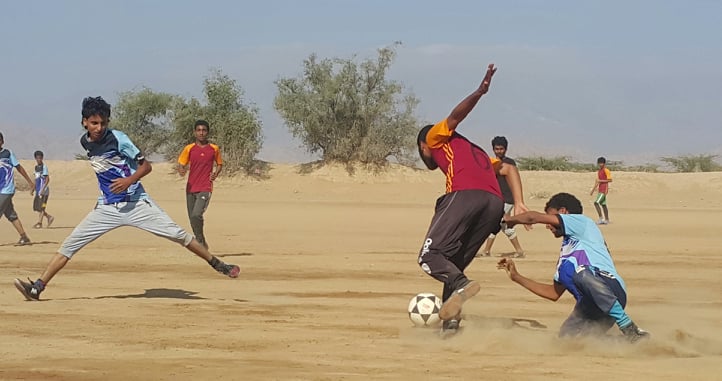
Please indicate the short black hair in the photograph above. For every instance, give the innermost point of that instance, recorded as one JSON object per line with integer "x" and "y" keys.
{"x": 201, "y": 122}
{"x": 499, "y": 141}
{"x": 95, "y": 106}
{"x": 429, "y": 162}
{"x": 566, "y": 201}
{"x": 38, "y": 153}
{"x": 2, "y": 139}
{"x": 601, "y": 160}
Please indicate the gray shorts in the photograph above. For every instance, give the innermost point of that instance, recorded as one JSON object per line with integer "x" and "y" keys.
{"x": 6, "y": 207}
{"x": 144, "y": 215}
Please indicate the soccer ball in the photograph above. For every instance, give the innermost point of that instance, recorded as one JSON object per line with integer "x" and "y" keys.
{"x": 424, "y": 310}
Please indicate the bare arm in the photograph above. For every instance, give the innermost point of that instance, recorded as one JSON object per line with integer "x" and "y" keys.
{"x": 464, "y": 108}
{"x": 27, "y": 178}
{"x": 182, "y": 169}
{"x": 217, "y": 172}
{"x": 547, "y": 291}
{"x": 533, "y": 218}
{"x": 511, "y": 173}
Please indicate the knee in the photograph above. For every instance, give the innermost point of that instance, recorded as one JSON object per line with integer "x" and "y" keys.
{"x": 196, "y": 217}
{"x": 510, "y": 233}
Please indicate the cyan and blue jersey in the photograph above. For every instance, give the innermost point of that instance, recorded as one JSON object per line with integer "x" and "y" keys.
{"x": 114, "y": 156}
{"x": 8, "y": 162}
{"x": 41, "y": 178}
{"x": 583, "y": 245}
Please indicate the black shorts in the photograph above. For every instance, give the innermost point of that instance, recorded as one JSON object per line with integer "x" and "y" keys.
{"x": 40, "y": 202}
{"x": 6, "y": 207}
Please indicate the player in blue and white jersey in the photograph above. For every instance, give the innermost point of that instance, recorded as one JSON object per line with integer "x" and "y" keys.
{"x": 119, "y": 165}
{"x": 585, "y": 269}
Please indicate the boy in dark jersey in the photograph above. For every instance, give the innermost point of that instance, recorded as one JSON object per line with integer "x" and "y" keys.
{"x": 119, "y": 165}
{"x": 42, "y": 190}
{"x": 471, "y": 209}
{"x": 200, "y": 156}
{"x": 500, "y": 145}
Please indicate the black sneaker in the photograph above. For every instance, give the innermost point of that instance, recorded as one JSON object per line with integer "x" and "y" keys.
{"x": 449, "y": 328}
{"x": 23, "y": 241}
{"x": 28, "y": 289}
{"x": 633, "y": 333}
{"x": 227, "y": 269}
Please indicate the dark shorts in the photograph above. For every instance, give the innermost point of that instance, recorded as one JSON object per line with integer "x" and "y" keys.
{"x": 40, "y": 202}
{"x": 6, "y": 207}
{"x": 590, "y": 316}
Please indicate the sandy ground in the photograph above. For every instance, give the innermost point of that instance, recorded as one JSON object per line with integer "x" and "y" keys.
{"x": 328, "y": 268}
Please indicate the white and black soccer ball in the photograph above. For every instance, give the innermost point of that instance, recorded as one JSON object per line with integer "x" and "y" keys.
{"x": 424, "y": 310}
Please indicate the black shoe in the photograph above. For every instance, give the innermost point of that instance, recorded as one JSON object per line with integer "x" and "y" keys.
{"x": 28, "y": 289}
{"x": 633, "y": 333}
{"x": 449, "y": 328}
{"x": 24, "y": 240}
{"x": 227, "y": 269}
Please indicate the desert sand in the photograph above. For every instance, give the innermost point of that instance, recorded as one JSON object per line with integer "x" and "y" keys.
{"x": 328, "y": 267}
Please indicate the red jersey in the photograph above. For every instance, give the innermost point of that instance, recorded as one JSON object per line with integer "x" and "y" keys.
{"x": 465, "y": 164}
{"x": 604, "y": 174}
{"x": 201, "y": 159}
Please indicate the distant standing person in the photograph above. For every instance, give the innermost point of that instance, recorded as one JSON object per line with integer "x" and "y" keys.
{"x": 604, "y": 177}
{"x": 500, "y": 145}
{"x": 8, "y": 162}
{"x": 201, "y": 155}
{"x": 42, "y": 190}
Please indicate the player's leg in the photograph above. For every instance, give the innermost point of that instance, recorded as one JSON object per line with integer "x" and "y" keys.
{"x": 605, "y": 210}
{"x": 597, "y": 206}
{"x": 148, "y": 216}
{"x": 489, "y": 243}
{"x": 99, "y": 221}
{"x": 8, "y": 210}
{"x": 37, "y": 207}
{"x": 607, "y": 294}
{"x": 511, "y": 234}
{"x": 200, "y": 205}
{"x": 443, "y": 241}
{"x": 486, "y": 212}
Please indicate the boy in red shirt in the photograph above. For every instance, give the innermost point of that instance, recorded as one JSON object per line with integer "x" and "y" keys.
{"x": 604, "y": 177}
{"x": 201, "y": 155}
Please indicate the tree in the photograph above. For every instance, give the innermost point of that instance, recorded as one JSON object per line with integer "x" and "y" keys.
{"x": 693, "y": 163}
{"x": 349, "y": 112}
{"x": 146, "y": 117}
{"x": 234, "y": 125}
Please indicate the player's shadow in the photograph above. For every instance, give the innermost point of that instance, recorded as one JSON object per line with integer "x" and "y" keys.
{"x": 151, "y": 293}
{"x": 508, "y": 323}
{"x": 223, "y": 255}
{"x": 30, "y": 244}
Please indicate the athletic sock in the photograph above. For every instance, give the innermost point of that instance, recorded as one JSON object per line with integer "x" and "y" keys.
{"x": 617, "y": 312}
{"x": 39, "y": 284}
{"x": 214, "y": 262}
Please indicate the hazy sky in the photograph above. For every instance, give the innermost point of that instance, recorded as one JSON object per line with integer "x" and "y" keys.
{"x": 630, "y": 80}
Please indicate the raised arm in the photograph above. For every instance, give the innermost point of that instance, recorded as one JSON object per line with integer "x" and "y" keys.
{"x": 464, "y": 108}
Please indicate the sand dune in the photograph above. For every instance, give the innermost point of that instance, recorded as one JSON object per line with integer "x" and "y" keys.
{"x": 328, "y": 266}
